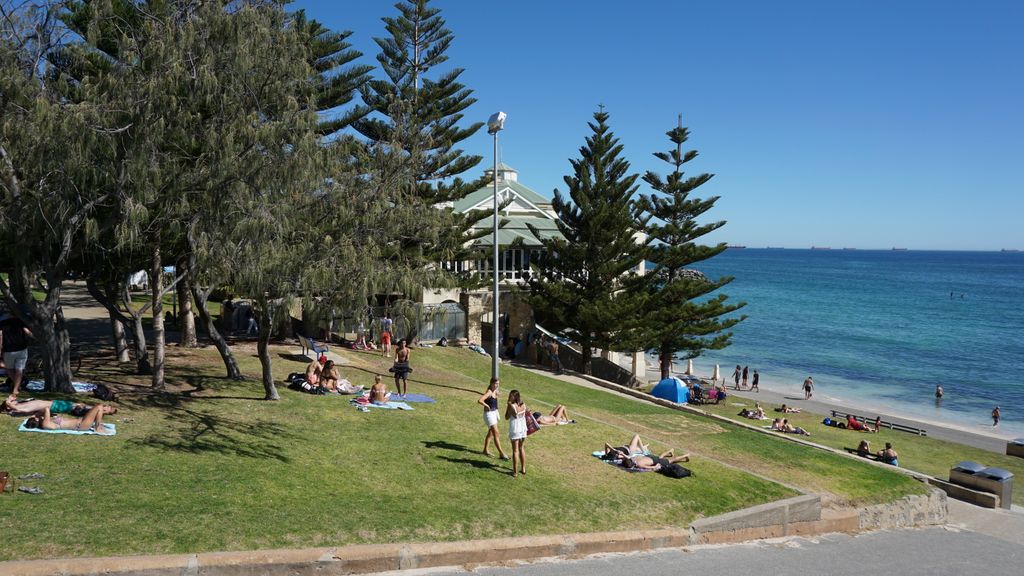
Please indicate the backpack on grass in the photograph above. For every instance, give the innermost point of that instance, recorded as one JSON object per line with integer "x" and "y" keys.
{"x": 103, "y": 393}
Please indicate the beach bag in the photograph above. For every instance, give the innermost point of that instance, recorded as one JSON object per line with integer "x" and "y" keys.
{"x": 103, "y": 393}
{"x": 676, "y": 471}
{"x": 827, "y": 422}
{"x": 531, "y": 424}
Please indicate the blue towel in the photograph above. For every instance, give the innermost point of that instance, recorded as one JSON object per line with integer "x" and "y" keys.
{"x": 389, "y": 406}
{"x": 111, "y": 427}
{"x": 39, "y": 385}
{"x": 415, "y": 398}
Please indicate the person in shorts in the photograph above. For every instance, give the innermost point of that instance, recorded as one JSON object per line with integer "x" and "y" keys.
{"x": 14, "y": 337}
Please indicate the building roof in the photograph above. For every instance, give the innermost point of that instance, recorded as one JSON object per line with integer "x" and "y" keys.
{"x": 522, "y": 197}
{"x": 518, "y": 229}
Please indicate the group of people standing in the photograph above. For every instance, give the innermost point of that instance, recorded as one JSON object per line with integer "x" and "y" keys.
{"x": 739, "y": 377}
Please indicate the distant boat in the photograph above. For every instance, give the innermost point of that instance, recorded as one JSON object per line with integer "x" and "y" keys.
{"x": 774, "y": 248}
{"x": 899, "y": 249}
{"x": 849, "y": 248}
{"x": 736, "y": 246}
{"x": 821, "y": 248}
{"x": 1009, "y": 250}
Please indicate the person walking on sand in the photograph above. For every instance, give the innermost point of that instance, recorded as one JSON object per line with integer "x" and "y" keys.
{"x": 753, "y": 383}
{"x": 736, "y": 376}
{"x": 489, "y": 400}
{"x": 744, "y": 377}
{"x": 808, "y": 388}
{"x": 995, "y": 416}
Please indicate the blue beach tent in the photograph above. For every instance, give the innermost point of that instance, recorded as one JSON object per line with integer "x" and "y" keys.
{"x": 672, "y": 389}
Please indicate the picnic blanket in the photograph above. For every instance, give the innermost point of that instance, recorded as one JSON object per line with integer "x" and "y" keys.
{"x": 416, "y": 398}
{"x": 111, "y": 427}
{"x": 39, "y": 385}
{"x": 599, "y": 453}
{"x": 388, "y": 406}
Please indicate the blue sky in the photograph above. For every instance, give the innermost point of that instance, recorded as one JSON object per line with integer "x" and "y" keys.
{"x": 846, "y": 124}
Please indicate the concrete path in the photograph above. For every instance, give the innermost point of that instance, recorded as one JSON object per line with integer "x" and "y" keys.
{"x": 930, "y": 552}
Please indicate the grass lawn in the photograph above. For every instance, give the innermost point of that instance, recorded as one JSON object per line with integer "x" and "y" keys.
{"x": 210, "y": 466}
{"x": 921, "y": 453}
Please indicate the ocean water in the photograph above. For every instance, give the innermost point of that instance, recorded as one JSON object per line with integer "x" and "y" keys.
{"x": 882, "y": 328}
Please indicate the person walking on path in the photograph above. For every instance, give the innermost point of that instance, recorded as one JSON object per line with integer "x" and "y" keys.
{"x": 753, "y": 383}
{"x": 515, "y": 413}
{"x": 489, "y": 400}
{"x": 995, "y": 416}
{"x": 736, "y": 376}
{"x": 401, "y": 368}
{"x": 808, "y": 388}
{"x": 386, "y": 324}
{"x": 556, "y": 362}
{"x": 14, "y": 337}
{"x": 744, "y": 376}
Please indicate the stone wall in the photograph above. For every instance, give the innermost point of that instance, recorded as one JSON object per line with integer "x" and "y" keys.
{"x": 909, "y": 511}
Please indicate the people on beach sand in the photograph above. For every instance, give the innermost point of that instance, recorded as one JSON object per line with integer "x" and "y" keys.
{"x": 995, "y": 416}
{"x": 401, "y": 368}
{"x": 808, "y": 388}
{"x": 489, "y": 400}
{"x": 753, "y": 383}
{"x": 744, "y": 385}
{"x": 736, "y": 376}
{"x": 888, "y": 455}
{"x": 559, "y": 415}
{"x": 15, "y": 408}
{"x": 92, "y": 421}
{"x": 515, "y": 413}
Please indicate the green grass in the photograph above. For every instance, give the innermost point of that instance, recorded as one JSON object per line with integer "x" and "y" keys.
{"x": 210, "y": 466}
{"x": 921, "y": 453}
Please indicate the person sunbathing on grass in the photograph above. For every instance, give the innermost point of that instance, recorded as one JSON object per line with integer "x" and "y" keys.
{"x": 558, "y": 416}
{"x": 854, "y": 424}
{"x": 756, "y": 414}
{"x": 636, "y": 448}
{"x": 15, "y": 408}
{"x": 790, "y": 429}
{"x": 864, "y": 448}
{"x": 379, "y": 392}
{"x": 91, "y": 422}
{"x": 654, "y": 463}
{"x": 788, "y": 410}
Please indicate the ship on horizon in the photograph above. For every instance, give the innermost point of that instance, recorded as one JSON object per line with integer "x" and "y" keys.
{"x": 821, "y": 247}
{"x": 895, "y": 249}
{"x": 1009, "y": 250}
{"x": 737, "y": 246}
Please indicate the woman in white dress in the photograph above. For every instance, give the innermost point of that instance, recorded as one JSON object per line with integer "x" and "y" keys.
{"x": 515, "y": 413}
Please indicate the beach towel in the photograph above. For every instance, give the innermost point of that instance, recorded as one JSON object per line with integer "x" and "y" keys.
{"x": 39, "y": 385}
{"x": 599, "y": 453}
{"x": 417, "y": 398}
{"x": 389, "y": 406}
{"x": 111, "y": 427}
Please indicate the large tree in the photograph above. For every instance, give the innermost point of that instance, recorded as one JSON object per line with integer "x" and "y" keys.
{"x": 678, "y": 318}
{"x": 580, "y": 288}
{"x": 416, "y": 112}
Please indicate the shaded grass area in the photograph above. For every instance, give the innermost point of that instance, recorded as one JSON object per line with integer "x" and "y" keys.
{"x": 921, "y": 453}
{"x": 207, "y": 465}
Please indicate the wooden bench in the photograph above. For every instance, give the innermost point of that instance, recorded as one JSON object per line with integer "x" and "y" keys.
{"x": 308, "y": 344}
{"x": 881, "y": 423}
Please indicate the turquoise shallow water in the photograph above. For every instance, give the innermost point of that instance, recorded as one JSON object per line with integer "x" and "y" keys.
{"x": 880, "y": 328}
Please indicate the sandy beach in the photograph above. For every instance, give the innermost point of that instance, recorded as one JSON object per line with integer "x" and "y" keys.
{"x": 824, "y": 402}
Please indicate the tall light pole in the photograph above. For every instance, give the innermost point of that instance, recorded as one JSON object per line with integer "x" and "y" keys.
{"x": 494, "y": 125}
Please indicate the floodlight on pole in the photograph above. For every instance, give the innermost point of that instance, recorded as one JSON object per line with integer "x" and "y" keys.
{"x": 494, "y": 125}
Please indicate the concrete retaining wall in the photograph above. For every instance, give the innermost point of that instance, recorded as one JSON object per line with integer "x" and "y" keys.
{"x": 918, "y": 510}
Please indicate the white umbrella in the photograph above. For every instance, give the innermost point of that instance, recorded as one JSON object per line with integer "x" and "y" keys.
{"x": 717, "y": 375}
{"x": 689, "y": 366}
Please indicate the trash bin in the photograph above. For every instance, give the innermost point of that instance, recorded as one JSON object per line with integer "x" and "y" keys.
{"x": 1015, "y": 447}
{"x": 996, "y": 481}
{"x": 964, "y": 473}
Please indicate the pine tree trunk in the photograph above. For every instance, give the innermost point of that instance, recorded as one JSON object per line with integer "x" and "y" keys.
{"x": 585, "y": 361}
{"x": 107, "y": 296}
{"x": 210, "y": 326}
{"x": 120, "y": 340}
{"x": 142, "y": 365}
{"x": 156, "y": 284}
{"x": 186, "y": 321}
{"x": 665, "y": 361}
{"x": 263, "y": 349}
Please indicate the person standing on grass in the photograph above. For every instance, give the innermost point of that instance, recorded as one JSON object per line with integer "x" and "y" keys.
{"x": 753, "y": 383}
{"x": 995, "y": 416}
{"x": 808, "y": 388}
{"x": 744, "y": 376}
{"x": 489, "y": 400}
{"x": 14, "y": 337}
{"x": 736, "y": 376}
{"x": 515, "y": 413}
{"x": 401, "y": 368}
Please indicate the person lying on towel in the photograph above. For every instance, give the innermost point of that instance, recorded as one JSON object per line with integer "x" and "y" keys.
{"x": 91, "y": 422}
{"x": 29, "y": 407}
{"x": 667, "y": 463}
{"x": 558, "y": 416}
